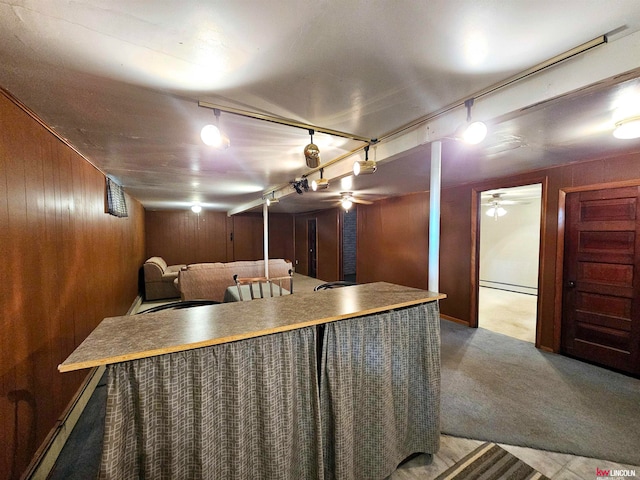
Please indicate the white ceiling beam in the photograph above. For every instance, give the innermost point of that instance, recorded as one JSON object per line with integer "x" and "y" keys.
{"x": 245, "y": 206}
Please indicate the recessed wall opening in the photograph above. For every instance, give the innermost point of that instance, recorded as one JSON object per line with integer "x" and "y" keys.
{"x": 349, "y": 244}
{"x": 509, "y": 260}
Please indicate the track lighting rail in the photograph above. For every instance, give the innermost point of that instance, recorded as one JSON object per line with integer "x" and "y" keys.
{"x": 282, "y": 121}
{"x": 596, "y": 42}
{"x": 592, "y": 44}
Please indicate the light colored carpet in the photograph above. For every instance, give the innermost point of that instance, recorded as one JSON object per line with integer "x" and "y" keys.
{"x": 509, "y": 313}
{"x": 500, "y": 389}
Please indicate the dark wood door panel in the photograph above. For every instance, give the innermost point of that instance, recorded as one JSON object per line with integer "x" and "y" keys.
{"x": 596, "y": 353}
{"x": 607, "y": 240}
{"x": 613, "y": 306}
{"x": 608, "y": 210}
{"x": 601, "y": 314}
{"x": 604, "y": 289}
{"x": 619, "y": 274}
{"x": 607, "y": 257}
{"x": 608, "y": 321}
{"x": 617, "y": 340}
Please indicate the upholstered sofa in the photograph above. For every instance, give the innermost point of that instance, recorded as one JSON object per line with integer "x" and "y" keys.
{"x": 159, "y": 279}
{"x": 209, "y": 281}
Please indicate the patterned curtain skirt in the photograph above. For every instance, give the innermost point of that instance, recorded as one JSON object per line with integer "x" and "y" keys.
{"x": 256, "y": 409}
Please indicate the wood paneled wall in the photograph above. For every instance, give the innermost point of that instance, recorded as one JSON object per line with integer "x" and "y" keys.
{"x": 184, "y": 237}
{"x": 66, "y": 265}
{"x": 328, "y": 246}
{"x": 393, "y": 241}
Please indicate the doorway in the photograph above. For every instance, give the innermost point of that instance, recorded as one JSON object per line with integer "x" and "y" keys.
{"x": 509, "y": 257}
{"x": 312, "y": 241}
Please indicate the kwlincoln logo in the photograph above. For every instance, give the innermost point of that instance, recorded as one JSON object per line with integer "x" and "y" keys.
{"x": 615, "y": 473}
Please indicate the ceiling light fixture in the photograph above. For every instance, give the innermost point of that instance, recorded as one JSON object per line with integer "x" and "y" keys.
{"x": 212, "y": 136}
{"x": 196, "y": 208}
{"x": 474, "y": 132}
{"x": 312, "y": 153}
{"x": 496, "y": 210}
{"x": 366, "y": 166}
{"x": 300, "y": 186}
{"x": 321, "y": 183}
{"x": 347, "y": 203}
{"x": 347, "y": 200}
{"x": 272, "y": 199}
{"x": 628, "y": 128}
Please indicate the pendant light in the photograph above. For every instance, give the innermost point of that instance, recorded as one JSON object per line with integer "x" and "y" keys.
{"x": 300, "y": 185}
{"x": 365, "y": 167}
{"x": 312, "y": 153}
{"x": 321, "y": 183}
{"x": 212, "y": 136}
{"x": 474, "y": 132}
{"x": 272, "y": 199}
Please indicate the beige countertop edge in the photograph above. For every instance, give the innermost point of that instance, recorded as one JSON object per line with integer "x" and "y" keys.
{"x": 69, "y": 367}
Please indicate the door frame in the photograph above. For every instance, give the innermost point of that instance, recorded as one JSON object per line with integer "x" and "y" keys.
{"x": 559, "y": 274}
{"x": 476, "y": 215}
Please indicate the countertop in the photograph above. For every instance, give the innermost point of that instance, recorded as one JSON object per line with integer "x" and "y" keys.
{"x": 119, "y": 339}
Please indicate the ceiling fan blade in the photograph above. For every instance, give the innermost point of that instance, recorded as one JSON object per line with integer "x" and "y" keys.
{"x": 363, "y": 202}
{"x": 505, "y": 202}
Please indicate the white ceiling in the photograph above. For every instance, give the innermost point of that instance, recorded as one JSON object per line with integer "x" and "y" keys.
{"x": 121, "y": 81}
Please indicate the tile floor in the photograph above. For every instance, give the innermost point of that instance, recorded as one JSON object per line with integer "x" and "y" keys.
{"x": 556, "y": 466}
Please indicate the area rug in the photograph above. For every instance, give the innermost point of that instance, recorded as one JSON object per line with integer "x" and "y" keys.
{"x": 499, "y": 389}
{"x": 491, "y": 462}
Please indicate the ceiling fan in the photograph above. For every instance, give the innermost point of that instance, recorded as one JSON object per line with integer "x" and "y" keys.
{"x": 491, "y": 198}
{"x": 347, "y": 200}
{"x": 496, "y": 205}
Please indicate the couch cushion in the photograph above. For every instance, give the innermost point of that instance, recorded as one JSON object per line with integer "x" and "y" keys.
{"x": 173, "y": 270}
{"x": 159, "y": 261}
{"x": 210, "y": 281}
{"x": 169, "y": 276}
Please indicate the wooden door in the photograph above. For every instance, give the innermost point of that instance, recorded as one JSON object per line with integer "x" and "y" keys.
{"x": 600, "y": 321}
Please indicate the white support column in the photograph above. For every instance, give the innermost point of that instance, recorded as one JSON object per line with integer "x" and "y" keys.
{"x": 434, "y": 216}
{"x": 265, "y": 218}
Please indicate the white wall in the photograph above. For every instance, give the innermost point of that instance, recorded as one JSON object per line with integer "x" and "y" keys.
{"x": 509, "y": 248}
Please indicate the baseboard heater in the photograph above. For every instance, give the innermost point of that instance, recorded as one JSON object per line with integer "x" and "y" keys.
{"x": 509, "y": 287}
